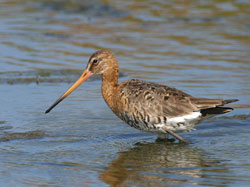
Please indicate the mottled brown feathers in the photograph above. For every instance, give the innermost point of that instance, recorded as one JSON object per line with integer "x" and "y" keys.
{"x": 161, "y": 100}
{"x": 145, "y": 98}
{"x": 143, "y": 104}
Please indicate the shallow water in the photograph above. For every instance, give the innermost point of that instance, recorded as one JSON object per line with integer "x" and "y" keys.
{"x": 200, "y": 47}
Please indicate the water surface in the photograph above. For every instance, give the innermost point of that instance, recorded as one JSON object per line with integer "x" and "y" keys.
{"x": 200, "y": 47}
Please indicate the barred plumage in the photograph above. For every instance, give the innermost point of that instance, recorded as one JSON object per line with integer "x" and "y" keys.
{"x": 148, "y": 106}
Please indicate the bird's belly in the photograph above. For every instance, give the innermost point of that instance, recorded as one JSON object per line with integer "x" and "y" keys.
{"x": 184, "y": 123}
{"x": 177, "y": 124}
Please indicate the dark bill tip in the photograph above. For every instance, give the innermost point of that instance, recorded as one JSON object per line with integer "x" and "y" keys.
{"x": 52, "y": 106}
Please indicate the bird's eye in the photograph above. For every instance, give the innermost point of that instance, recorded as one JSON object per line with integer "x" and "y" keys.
{"x": 95, "y": 61}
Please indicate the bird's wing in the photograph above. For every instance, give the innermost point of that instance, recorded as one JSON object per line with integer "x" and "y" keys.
{"x": 154, "y": 99}
{"x": 151, "y": 99}
{"x": 205, "y": 103}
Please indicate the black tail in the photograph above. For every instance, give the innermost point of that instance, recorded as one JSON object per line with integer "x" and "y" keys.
{"x": 216, "y": 110}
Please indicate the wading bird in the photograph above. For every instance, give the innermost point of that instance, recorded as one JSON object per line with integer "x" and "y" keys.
{"x": 148, "y": 106}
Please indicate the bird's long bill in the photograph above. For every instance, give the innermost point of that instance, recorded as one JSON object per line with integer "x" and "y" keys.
{"x": 85, "y": 75}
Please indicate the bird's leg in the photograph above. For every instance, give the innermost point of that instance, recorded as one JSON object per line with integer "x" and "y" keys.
{"x": 163, "y": 136}
{"x": 176, "y": 135}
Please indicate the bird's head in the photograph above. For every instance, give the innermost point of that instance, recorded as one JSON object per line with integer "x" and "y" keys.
{"x": 101, "y": 62}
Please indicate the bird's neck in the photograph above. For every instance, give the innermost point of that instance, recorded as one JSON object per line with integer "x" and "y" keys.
{"x": 109, "y": 87}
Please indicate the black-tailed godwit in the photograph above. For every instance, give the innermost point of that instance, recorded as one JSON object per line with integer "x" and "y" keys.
{"x": 148, "y": 106}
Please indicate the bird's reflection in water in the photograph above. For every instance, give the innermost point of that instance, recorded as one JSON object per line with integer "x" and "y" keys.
{"x": 157, "y": 163}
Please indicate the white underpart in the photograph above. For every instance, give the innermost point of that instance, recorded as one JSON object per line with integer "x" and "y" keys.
{"x": 181, "y": 123}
